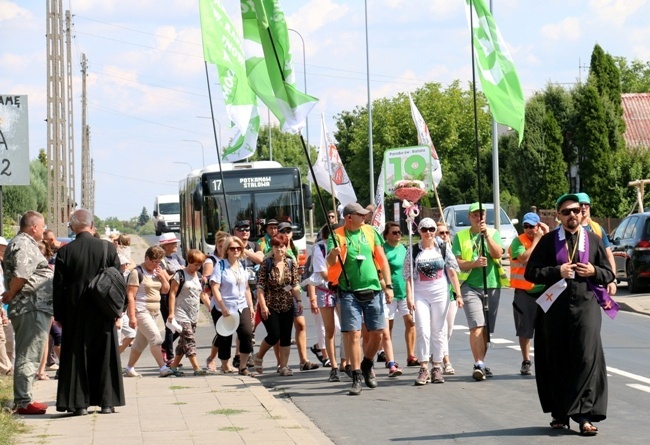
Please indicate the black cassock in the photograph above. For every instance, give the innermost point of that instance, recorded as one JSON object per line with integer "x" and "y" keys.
{"x": 569, "y": 360}
{"x": 90, "y": 372}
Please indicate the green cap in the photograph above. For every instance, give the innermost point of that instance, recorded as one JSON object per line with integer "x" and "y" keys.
{"x": 583, "y": 198}
{"x": 474, "y": 207}
{"x": 566, "y": 197}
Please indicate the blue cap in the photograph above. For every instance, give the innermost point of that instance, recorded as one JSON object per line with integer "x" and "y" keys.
{"x": 531, "y": 218}
{"x": 583, "y": 198}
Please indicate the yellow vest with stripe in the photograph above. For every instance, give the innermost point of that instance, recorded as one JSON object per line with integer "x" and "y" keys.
{"x": 595, "y": 228}
{"x": 517, "y": 268}
{"x": 335, "y": 270}
{"x": 467, "y": 254}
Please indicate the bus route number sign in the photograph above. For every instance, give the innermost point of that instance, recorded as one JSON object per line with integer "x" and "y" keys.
{"x": 14, "y": 140}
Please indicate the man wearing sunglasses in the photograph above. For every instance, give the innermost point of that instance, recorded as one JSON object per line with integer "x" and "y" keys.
{"x": 524, "y": 306}
{"x": 569, "y": 360}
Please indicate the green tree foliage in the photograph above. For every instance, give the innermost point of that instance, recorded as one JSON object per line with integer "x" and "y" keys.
{"x": 17, "y": 199}
{"x": 635, "y": 75}
{"x": 143, "y": 218}
{"x": 287, "y": 149}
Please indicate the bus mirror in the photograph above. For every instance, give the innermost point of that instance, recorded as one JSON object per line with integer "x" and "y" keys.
{"x": 197, "y": 198}
{"x": 306, "y": 196}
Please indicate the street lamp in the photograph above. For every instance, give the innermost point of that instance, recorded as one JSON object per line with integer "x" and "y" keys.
{"x": 202, "y": 149}
{"x": 304, "y": 72}
{"x": 218, "y": 123}
{"x": 185, "y": 163}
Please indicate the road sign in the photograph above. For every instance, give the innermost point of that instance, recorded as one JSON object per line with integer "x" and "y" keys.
{"x": 407, "y": 163}
{"x": 14, "y": 140}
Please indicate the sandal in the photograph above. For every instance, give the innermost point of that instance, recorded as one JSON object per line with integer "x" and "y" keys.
{"x": 210, "y": 365}
{"x": 42, "y": 376}
{"x": 259, "y": 364}
{"x": 559, "y": 424}
{"x": 587, "y": 429}
{"x": 286, "y": 371}
{"x": 245, "y": 372}
{"x": 308, "y": 366}
{"x": 227, "y": 370}
{"x": 449, "y": 370}
{"x": 200, "y": 372}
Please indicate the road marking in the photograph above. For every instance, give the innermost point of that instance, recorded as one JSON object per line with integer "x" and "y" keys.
{"x": 629, "y": 375}
{"x": 639, "y": 387}
{"x": 501, "y": 341}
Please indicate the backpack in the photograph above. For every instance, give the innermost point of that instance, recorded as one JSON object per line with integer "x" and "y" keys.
{"x": 108, "y": 289}
{"x": 309, "y": 267}
{"x": 180, "y": 279}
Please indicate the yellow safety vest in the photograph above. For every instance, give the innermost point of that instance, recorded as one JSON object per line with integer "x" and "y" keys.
{"x": 467, "y": 253}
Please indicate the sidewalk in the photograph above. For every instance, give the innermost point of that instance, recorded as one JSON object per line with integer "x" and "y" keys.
{"x": 639, "y": 303}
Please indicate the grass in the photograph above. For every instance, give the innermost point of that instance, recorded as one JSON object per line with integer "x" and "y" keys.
{"x": 10, "y": 425}
{"x": 232, "y": 429}
{"x": 178, "y": 387}
{"x": 227, "y": 411}
{"x": 179, "y": 403}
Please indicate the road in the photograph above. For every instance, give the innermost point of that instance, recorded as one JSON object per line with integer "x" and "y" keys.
{"x": 501, "y": 410}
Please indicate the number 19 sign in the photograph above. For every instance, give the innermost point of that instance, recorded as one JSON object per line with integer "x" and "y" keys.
{"x": 14, "y": 140}
{"x": 407, "y": 163}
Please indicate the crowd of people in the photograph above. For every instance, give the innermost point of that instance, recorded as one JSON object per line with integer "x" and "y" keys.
{"x": 357, "y": 282}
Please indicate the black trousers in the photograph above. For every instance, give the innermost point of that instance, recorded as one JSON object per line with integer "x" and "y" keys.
{"x": 244, "y": 333}
{"x": 170, "y": 337}
{"x": 278, "y": 327}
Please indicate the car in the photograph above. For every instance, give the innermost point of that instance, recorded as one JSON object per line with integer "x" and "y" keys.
{"x": 630, "y": 245}
{"x": 457, "y": 219}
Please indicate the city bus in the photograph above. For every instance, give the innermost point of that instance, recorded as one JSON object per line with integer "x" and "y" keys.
{"x": 254, "y": 191}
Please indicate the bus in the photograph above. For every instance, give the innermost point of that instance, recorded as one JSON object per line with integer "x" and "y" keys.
{"x": 255, "y": 191}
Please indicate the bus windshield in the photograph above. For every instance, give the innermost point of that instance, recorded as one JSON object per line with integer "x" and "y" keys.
{"x": 256, "y": 207}
{"x": 169, "y": 208}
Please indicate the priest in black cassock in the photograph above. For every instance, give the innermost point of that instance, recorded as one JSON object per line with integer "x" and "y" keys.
{"x": 569, "y": 359}
{"x": 90, "y": 372}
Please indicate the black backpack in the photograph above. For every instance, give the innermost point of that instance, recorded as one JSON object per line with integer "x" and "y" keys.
{"x": 108, "y": 289}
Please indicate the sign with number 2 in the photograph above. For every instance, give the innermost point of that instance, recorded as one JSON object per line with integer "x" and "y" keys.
{"x": 14, "y": 140}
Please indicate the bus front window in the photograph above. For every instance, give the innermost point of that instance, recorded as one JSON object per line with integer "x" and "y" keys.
{"x": 283, "y": 206}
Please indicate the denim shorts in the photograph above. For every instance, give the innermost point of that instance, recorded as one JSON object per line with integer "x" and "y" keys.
{"x": 354, "y": 313}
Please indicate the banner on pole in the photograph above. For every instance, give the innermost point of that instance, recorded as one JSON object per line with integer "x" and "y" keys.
{"x": 407, "y": 163}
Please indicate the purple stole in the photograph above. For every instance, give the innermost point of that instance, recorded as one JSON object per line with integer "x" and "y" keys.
{"x": 605, "y": 301}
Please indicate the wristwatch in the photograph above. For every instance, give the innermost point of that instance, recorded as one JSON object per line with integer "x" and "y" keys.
{"x": 389, "y": 286}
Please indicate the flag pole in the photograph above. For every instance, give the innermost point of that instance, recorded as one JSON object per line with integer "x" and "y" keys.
{"x": 327, "y": 159}
{"x": 216, "y": 143}
{"x": 486, "y": 306}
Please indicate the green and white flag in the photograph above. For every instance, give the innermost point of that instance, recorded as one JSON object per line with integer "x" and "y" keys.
{"x": 269, "y": 64}
{"x": 496, "y": 69}
{"x": 222, "y": 46}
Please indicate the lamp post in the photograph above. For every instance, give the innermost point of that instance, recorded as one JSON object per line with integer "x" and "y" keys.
{"x": 304, "y": 72}
{"x": 185, "y": 163}
{"x": 370, "y": 153}
{"x": 202, "y": 149}
{"x": 218, "y": 123}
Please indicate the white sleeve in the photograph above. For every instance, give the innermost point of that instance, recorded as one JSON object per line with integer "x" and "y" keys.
{"x": 318, "y": 259}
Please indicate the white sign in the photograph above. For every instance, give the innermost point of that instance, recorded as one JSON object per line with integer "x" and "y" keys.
{"x": 407, "y": 163}
{"x": 14, "y": 140}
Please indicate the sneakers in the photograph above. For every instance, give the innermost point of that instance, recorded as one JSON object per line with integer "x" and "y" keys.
{"x": 334, "y": 375}
{"x": 348, "y": 371}
{"x": 479, "y": 373}
{"x": 200, "y": 372}
{"x": 33, "y": 408}
{"x": 449, "y": 370}
{"x": 368, "y": 373}
{"x": 130, "y": 373}
{"x": 355, "y": 389}
{"x": 381, "y": 356}
{"x": 412, "y": 361}
{"x": 166, "y": 371}
{"x": 488, "y": 372}
{"x": 423, "y": 377}
{"x": 436, "y": 375}
{"x": 525, "y": 367}
{"x": 395, "y": 371}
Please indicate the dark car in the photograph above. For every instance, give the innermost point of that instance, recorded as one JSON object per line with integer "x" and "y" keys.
{"x": 631, "y": 248}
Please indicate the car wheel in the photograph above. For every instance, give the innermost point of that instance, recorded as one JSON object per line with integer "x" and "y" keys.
{"x": 632, "y": 281}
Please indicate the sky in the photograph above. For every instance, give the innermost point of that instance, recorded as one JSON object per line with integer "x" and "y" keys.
{"x": 147, "y": 92}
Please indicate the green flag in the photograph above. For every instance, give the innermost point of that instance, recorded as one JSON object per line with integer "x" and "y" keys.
{"x": 496, "y": 69}
{"x": 269, "y": 64}
{"x": 222, "y": 46}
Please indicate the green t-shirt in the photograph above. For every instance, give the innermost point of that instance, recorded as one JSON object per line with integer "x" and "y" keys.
{"x": 475, "y": 278}
{"x": 361, "y": 271}
{"x": 517, "y": 248}
{"x": 396, "y": 257}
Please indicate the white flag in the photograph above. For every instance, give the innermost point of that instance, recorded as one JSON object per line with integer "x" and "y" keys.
{"x": 330, "y": 172}
{"x": 424, "y": 138}
{"x": 379, "y": 216}
{"x": 550, "y": 295}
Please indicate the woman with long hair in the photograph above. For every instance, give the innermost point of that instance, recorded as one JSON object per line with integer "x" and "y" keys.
{"x": 206, "y": 272}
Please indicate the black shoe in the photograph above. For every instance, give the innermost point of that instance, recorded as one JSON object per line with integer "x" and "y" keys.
{"x": 316, "y": 350}
{"x": 488, "y": 372}
{"x": 348, "y": 371}
{"x": 368, "y": 373}
{"x": 381, "y": 357}
{"x": 355, "y": 389}
{"x": 235, "y": 362}
{"x": 478, "y": 373}
{"x": 107, "y": 410}
{"x": 81, "y": 412}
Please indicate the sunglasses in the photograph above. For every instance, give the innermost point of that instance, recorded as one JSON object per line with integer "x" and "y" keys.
{"x": 234, "y": 249}
{"x": 428, "y": 229}
{"x": 243, "y": 229}
{"x": 398, "y": 232}
{"x": 443, "y": 233}
{"x": 528, "y": 226}
{"x": 567, "y": 212}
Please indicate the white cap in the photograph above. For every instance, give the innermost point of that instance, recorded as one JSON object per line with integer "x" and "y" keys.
{"x": 3, "y": 241}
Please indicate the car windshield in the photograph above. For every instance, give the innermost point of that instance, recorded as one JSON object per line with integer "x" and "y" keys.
{"x": 462, "y": 218}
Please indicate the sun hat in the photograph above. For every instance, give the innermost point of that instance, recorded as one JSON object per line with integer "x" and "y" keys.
{"x": 427, "y": 223}
{"x": 271, "y": 222}
{"x": 228, "y": 325}
{"x": 354, "y": 208}
{"x": 566, "y": 197}
{"x": 531, "y": 218}
{"x": 166, "y": 238}
{"x": 474, "y": 207}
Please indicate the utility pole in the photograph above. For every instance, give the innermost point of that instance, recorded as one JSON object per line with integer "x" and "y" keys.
{"x": 86, "y": 174}
{"x": 72, "y": 200}
{"x": 57, "y": 196}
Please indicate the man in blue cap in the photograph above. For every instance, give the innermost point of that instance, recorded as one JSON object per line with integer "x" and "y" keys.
{"x": 524, "y": 306}
{"x": 593, "y": 226}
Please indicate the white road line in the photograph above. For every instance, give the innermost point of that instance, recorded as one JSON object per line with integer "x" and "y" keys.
{"x": 501, "y": 341}
{"x": 639, "y": 387}
{"x": 629, "y": 375}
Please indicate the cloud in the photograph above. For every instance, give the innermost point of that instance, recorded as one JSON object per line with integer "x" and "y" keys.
{"x": 315, "y": 15}
{"x": 615, "y": 11}
{"x": 11, "y": 11}
{"x": 567, "y": 29}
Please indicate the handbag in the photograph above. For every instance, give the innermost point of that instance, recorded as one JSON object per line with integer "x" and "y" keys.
{"x": 108, "y": 289}
{"x": 364, "y": 296}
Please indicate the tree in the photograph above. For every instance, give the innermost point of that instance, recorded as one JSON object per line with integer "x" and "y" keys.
{"x": 635, "y": 76}
{"x": 17, "y": 199}
{"x": 144, "y": 217}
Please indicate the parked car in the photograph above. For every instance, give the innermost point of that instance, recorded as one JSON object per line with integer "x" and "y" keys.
{"x": 631, "y": 249}
{"x": 457, "y": 218}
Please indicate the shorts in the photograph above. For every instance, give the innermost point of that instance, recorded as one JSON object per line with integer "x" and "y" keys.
{"x": 398, "y": 307}
{"x": 353, "y": 313}
{"x": 326, "y": 298}
{"x": 187, "y": 342}
{"x": 524, "y": 308}
{"x": 473, "y": 306}
{"x": 147, "y": 333}
{"x": 126, "y": 330}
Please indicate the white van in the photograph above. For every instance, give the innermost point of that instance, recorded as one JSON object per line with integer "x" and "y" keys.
{"x": 166, "y": 214}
